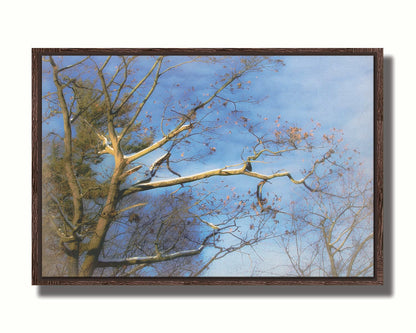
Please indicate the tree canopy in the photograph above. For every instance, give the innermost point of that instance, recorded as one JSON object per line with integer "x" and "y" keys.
{"x": 163, "y": 165}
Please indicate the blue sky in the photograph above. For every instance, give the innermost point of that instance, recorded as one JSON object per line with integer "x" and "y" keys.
{"x": 336, "y": 91}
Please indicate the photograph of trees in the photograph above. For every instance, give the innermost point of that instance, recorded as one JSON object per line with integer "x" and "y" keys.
{"x": 207, "y": 166}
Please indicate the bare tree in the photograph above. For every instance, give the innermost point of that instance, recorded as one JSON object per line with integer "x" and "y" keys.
{"x": 117, "y": 127}
{"x": 331, "y": 233}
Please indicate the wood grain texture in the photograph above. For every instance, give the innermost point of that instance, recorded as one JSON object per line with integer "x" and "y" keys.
{"x": 36, "y": 167}
{"x": 37, "y": 278}
{"x": 208, "y": 51}
{"x": 247, "y": 281}
{"x": 378, "y": 166}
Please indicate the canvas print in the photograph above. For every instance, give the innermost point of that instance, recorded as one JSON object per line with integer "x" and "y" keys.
{"x": 207, "y": 166}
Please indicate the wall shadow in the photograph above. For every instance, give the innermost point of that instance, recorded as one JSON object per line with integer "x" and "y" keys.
{"x": 278, "y": 291}
{"x": 388, "y": 166}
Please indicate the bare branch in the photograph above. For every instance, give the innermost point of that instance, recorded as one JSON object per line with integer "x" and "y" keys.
{"x": 131, "y": 207}
{"x": 73, "y": 65}
{"x": 129, "y": 172}
{"x": 219, "y": 172}
{"x": 153, "y": 259}
{"x": 356, "y": 252}
{"x": 158, "y": 144}
{"x": 181, "y": 64}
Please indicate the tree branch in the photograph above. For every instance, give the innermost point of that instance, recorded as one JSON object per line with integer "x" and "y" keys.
{"x": 357, "y": 251}
{"x": 219, "y": 172}
{"x": 138, "y": 85}
{"x": 158, "y": 144}
{"x": 73, "y": 65}
{"x": 153, "y": 259}
{"x": 140, "y": 107}
{"x": 68, "y": 162}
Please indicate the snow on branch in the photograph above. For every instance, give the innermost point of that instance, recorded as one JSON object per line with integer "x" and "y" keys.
{"x": 153, "y": 259}
{"x": 225, "y": 172}
{"x": 156, "y": 145}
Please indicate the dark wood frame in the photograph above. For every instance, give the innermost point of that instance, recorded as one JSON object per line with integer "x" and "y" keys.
{"x": 37, "y": 278}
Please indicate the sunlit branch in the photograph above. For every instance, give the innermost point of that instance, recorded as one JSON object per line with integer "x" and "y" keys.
{"x": 107, "y": 148}
{"x": 131, "y": 207}
{"x": 73, "y": 65}
{"x": 138, "y": 85}
{"x": 213, "y": 226}
{"x": 346, "y": 232}
{"x": 131, "y": 171}
{"x": 220, "y": 172}
{"x": 260, "y": 199}
{"x": 155, "y": 258}
{"x": 187, "y": 117}
{"x": 148, "y": 260}
{"x": 156, "y": 145}
{"x": 156, "y": 164}
{"x": 104, "y": 64}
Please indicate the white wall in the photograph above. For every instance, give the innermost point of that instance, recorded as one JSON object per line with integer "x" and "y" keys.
{"x": 212, "y": 23}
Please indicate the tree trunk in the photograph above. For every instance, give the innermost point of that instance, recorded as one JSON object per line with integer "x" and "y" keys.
{"x": 73, "y": 259}
{"x": 96, "y": 243}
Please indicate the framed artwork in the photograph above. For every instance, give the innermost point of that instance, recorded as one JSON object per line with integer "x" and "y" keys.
{"x": 207, "y": 166}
